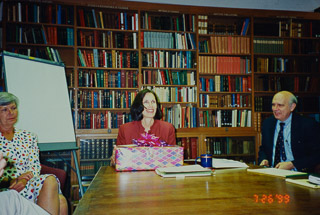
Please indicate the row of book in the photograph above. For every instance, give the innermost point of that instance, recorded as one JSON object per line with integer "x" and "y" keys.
{"x": 182, "y": 22}
{"x": 108, "y": 79}
{"x": 96, "y": 148}
{"x": 190, "y": 147}
{"x": 291, "y": 83}
{"x": 100, "y": 19}
{"x": 181, "y": 116}
{"x": 108, "y": 59}
{"x": 168, "y": 59}
{"x": 202, "y": 24}
{"x": 222, "y": 29}
{"x": 107, "y": 39}
{"x": 220, "y": 101}
{"x": 285, "y": 65}
{"x": 90, "y": 169}
{"x": 105, "y": 98}
{"x": 224, "y": 65}
{"x": 166, "y": 40}
{"x": 175, "y": 94}
{"x": 291, "y": 29}
{"x": 225, "y": 45}
{"x": 225, "y": 83}
{"x": 40, "y": 13}
{"x": 225, "y": 28}
{"x": 229, "y": 145}
{"x": 305, "y": 104}
{"x": 101, "y": 119}
{"x": 47, "y": 53}
{"x": 169, "y": 77}
{"x": 225, "y": 118}
{"x": 40, "y": 35}
{"x": 272, "y": 46}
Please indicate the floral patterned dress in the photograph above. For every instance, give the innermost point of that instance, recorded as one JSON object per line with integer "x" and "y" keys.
{"x": 22, "y": 155}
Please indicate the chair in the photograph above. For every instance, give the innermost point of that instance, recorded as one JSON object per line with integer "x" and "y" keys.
{"x": 60, "y": 173}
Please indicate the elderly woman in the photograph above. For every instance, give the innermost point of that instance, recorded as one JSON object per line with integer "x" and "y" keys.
{"x": 146, "y": 114}
{"x": 20, "y": 149}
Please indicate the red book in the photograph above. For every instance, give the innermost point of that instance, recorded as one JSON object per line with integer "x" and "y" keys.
{"x": 127, "y": 100}
{"x": 184, "y": 144}
{"x": 123, "y": 78}
{"x": 81, "y": 15}
{"x": 96, "y": 38}
{"x": 163, "y": 78}
{"x": 194, "y": 147}
{"x": 141, "y": 39}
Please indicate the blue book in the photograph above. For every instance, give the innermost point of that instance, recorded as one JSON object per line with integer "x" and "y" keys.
{"x": 245, "y": 28}
{"x": 211, "y": 85}
{"x": 94, "y": 18}
{"x": 95, "y": 99}
{"x": 125, "y": 21}
{"x": 95, "y": 58}
{"x": 119, "y": 79}
{"x": 59, "y": 14}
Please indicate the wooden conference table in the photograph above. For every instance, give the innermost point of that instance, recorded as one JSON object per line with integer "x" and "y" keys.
{"x": 226, "y": 192}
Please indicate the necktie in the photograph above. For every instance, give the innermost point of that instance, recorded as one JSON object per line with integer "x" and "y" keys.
{"x": 280, "y": 152}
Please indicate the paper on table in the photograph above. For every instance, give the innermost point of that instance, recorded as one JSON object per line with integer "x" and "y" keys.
{"x": 226, "y": 163}
{"x": 303, "y": 182}
{"x": 182, "y": 171}
{"x": 277, "y": 172}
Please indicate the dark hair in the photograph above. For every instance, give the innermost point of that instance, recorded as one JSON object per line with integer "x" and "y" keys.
{"x": 137, "y": 106}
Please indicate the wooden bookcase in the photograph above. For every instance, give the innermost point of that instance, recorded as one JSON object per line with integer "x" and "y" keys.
{"x": 214, "y": 69}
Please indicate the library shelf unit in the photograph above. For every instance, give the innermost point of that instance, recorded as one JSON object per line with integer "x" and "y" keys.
{"x": 215, "y": 70}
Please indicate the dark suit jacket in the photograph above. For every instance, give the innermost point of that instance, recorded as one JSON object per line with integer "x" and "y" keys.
{"x": 305, "y": 142}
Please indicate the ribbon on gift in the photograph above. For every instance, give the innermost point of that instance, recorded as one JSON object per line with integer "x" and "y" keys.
{"x": 149, "y": 140}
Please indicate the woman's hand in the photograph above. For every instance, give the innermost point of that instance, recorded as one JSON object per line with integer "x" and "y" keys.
{"x": 20, "y": 183}
{"x": 3, "y": 163}
{"x": 26, "y": 175}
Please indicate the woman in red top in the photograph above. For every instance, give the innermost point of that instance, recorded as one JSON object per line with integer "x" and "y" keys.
{"x": 146, "y": 114}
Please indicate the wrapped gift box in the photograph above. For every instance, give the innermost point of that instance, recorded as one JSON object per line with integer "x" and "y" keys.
{"x": 147, "y": 158}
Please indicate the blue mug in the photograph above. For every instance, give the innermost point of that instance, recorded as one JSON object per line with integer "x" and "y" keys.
{"x": 205, "y": 160}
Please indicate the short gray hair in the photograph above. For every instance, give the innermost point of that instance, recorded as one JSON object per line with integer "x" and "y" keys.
{"x": 293, "y": 99}
{"x": 8, "y": 98}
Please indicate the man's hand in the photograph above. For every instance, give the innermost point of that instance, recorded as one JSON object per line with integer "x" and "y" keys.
{"x": 285, "y": 165}
{"x": 264, "y": 163}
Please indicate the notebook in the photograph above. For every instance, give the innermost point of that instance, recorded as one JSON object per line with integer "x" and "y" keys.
{"x": 278, "y": 172}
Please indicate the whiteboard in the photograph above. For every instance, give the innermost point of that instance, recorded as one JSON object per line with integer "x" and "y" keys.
{"x": 44, "y": 107}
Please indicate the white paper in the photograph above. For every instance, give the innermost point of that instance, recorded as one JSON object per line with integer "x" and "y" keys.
{"x": 227, "y": 163}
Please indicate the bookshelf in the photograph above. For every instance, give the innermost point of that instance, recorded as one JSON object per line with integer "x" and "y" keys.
{"x": 224, "y": 67}
{"x": 286, "y": 57}
{"x": 214, "y": 69}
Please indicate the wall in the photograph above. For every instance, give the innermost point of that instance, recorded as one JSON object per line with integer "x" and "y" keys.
{"x": 292, "y": 5}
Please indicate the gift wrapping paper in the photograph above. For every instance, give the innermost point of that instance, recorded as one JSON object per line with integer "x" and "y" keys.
{"x": 147, "y": 158}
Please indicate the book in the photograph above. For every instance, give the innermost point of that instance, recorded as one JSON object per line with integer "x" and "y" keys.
{"x": 304, "y": 182}
{"x": 183, "y": 171}
{"x": 314, "y": 179}
{"x": 220, "y": 163}
{"x": 278, "y": 172}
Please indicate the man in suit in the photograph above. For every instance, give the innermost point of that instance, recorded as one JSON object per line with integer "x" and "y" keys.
{"x": 301, "y": 137}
